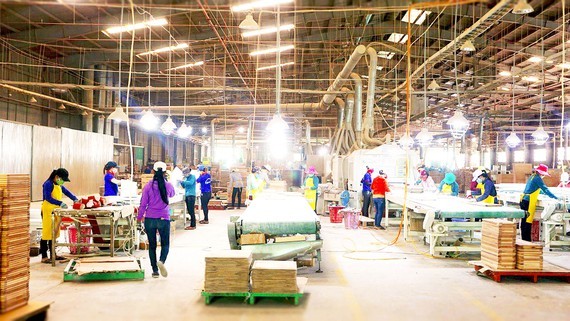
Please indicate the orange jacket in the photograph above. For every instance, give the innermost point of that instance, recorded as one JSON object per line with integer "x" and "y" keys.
{"x": 380, "y": 186}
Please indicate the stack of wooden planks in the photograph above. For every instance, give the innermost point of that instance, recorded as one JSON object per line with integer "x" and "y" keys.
{"x": 498, "y": 244}
{"x": 227, "y": 271}
{"x": 529, "y": 255}
{"x": 274, "y": 277}
{"x": 14, "y": 241}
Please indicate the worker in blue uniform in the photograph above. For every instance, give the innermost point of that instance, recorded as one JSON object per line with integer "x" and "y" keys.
{"x": 111, "y": 183}
{"x": 366, "y": 182}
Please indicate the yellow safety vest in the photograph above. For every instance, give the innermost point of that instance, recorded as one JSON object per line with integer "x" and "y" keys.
{"x": 490, "y": 199}
{"x": 446, "y": 189}
{"x": 310, "y": 194}
{"x": 532, "y": 205}
{"x": 47, "y": 209}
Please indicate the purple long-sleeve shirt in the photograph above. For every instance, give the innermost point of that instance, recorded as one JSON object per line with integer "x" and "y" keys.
{"x": 152, "y": 205}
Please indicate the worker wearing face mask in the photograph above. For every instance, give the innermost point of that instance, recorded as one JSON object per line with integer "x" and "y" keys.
{"x": 53, "y": 191}
{"x": 488, "y": 190}
{"x": 310, "y": 186}
{"x": 534, "y": 185}
{"x": 111, "y": 183}
{"x": 448, "y": 185}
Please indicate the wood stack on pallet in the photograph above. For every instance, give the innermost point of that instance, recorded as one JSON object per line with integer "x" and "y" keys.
{"x": 227, "y": 272}
{"x": 274, "y": 277}
{"x": 529, "y": 255}
{"x": 498, "y": 244}
{"x": 14, "y": 241}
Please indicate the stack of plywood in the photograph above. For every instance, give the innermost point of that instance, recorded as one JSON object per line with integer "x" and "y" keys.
{"x": 14, "y": 241}
{"x": 227, "y": 271}
{"x": 274, "y": 277}
{"x": 145, "y": 178}
{"x": 529, "y": 255}
{"x": 498, "y": 244}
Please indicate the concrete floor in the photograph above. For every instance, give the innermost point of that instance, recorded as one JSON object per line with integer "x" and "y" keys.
{"x": 376, "y": 282}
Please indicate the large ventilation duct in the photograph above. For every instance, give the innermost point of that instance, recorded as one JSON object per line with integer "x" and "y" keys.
{"x": 359, "y": 51}
{"x": 357, "y": 109}
{"x": 308, "y": 138}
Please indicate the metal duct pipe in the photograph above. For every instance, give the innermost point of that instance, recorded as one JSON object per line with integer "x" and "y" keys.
{"x": 248, "y": 146}
{"x": 358, "y": 107}
{"x": 57, "y": 100}
{"x": 349, "y": 110}
{"x": 373, "y": 59}
{"x": 88, "y": 99}
{"x": 259, "y": 107}
{"x": 340, "y": 116}
{"x": 212, "y": 139}
{"x": 359, "y": 51}
{"x": 308, "y": 138}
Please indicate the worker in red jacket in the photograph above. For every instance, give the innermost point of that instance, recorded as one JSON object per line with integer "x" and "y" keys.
{"x": 379, "y": 189}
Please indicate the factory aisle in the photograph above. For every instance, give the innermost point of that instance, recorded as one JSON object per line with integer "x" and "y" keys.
{"x": 363, "y": 279}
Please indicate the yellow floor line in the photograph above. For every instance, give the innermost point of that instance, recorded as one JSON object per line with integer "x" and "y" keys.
{"x": 487, "y": 310}
{"x": 350, "y": 298}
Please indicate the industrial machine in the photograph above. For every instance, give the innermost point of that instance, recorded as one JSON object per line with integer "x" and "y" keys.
{"x": 278, "y": 226}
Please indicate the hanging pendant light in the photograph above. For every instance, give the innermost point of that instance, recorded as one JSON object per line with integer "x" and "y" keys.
{"x": 118, "y": 115}
{"x": 168, "y": 126}
{"x": 61, "y": 107}
{"x": 424, "y": 137}
{"x": 33, "y": 100}
{"x": 406, "y": 142}
{"x": 148, "y": 120}
{"x": 468, "y": 46}
{"x": 183, "y": 131}
{"x": 277, "y": 124}
{"x": 248, "y": 23}
{"x": 540, "y": 136}
{"x": 459, "y": 124}
{"x": 84, "y": 113}
{"x": 522, "y": 7}
{"x": 513, "y": 140}
{"x": 433, "y": 85}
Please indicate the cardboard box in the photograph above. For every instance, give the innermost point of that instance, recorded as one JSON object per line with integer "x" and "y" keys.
{"x": 252, "y": 239}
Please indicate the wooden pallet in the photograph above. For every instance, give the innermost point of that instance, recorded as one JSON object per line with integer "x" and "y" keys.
{"x": 549, "y": 270}
{"x": 209, "y": 296}
{"x": 31, "y": 311}
{"x": 366, "y": 221}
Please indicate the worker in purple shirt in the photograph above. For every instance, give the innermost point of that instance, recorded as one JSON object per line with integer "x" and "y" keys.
{"x": 205, "y": 181}
{"x": 366, "y": 190}
{"x": 155, "y": 214}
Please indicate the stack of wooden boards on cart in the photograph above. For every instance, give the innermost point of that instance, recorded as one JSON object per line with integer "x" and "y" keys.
{"x": 228, "y": 271}
{"x": 14, "y": 241}
{"x": 500, "y": 250}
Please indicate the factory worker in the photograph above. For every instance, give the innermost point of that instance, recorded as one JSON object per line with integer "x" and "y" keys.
{"x": 310, "y": 186}
{"x": 264, "y": 175}
{"x": 426, "y": 182}
{"x": 366, "y": 182}
{"x": 564, "y": 180}
{"x": 111, "y": 183}
{"x": 236, "y": 186}
{"x": 530, "y": 196}
{"x": 476, "y": 187}
{"x": 252, "y": 184}
{"x": 53, "y": 191}
{"x": 155, "y": 214}
{"x": 488, "y": 190}
{"x": 448, "y": 185}
{"x": 379, "y": 189}
{"x": 205, "y": 181}
{"x": 189, "y": 184}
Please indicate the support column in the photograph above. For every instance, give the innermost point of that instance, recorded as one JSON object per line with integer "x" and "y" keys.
{"x": 88, "y": 98}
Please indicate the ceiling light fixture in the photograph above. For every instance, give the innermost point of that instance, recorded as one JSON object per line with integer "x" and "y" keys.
{"x": 194, "y": 64}
{"x": 530, "y": 78}
{"x": 258, "y": 5}
{"x": 164, "y": 49}
{"x": 540, "y": 136}
{"x": 385, "y": 54}
{"x": 535, "y": 59}
{"x": 433, "y": 85}
{"x": 505, "y": 73}
{"x": 183, "y": 131}
{"x": 398, "y": 37}
{"x": 468, "y": 46}
{"x": 274, "y": 66}
{"x": 406, "y": 142}
{"x": 168, "y": 127}
{"x": 271, "y": 50}
{"x": 33, "y": 100}
{"x": 148, "y": 120}
{"x": 459, "y": 124}
{"x": 266, "y": 31}
{"x": 565, "y": 65}
{"x": 522, "y": 7}
{"x": 61, "y": 107}
{"x": 136, "y": 26}
{"x": 204, "y": 130}
{"x": 424, "y": 137}
{"x": 118, "y": 115}
{"x": 513, "y": 140}
{"x": 84, "y": 113}
{"x": 249, "y": 23}
{"x": 241, "y": 130}
{"x": 416, "y": 16}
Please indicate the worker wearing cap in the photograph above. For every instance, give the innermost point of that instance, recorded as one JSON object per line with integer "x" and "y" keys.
{"x": 366, "y": 182}
{"x": 264, "y": 176}
{"x": 379, "y": 189}
{"x": 310, "y": 186}
{"x": 205, "y": 181}
{"x": 189, "y": 184}
{"x": 488, "y": 190}
{"x": 530, "y": 197}
{"x": 564, "y": 180}
{"x": 448, "y": 185}
{"x": 476, "y": 187}
{"x": 236, "y": 186}
{"x": 427, "y": 182}
{"x": 53, "y": 191}
{"x": 111, "y": 183}
{"x": 252, "y": 184}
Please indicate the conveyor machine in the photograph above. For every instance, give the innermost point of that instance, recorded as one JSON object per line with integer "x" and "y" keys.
{"x": 283, "y": 225}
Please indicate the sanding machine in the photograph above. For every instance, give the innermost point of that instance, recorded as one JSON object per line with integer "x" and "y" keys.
{"x": 278, "y": 226}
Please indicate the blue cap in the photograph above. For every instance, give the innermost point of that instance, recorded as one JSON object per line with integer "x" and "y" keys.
{"x": 201, "y": 168}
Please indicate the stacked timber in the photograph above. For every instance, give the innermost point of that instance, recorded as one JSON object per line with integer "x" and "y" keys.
{"x": 14, "y": 241}
{"x": 227, "y": 271}
{"x": 529, "y": 255}
{"x": 498, "y": 244}
{"x": 274, "y": 277}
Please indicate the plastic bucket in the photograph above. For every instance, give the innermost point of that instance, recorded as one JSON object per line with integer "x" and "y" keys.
{"x": 351, "y": 218}
{"x": 334, "y": 214}
{"x": 72, "y": 235}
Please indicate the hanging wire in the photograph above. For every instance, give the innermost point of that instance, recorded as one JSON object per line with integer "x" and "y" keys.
{"x": 513, "y": 90}
{"x": 542, "y": 85}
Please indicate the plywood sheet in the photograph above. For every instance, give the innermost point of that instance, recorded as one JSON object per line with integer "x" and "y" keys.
{"x": 46, "y": 155}
{"x": 16, "y": 148}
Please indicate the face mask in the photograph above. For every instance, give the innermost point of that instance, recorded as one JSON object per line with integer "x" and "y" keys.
{"x": 479, "y": 180}
{"x": 311, "y": 175}
{"x": 59, "y": 181}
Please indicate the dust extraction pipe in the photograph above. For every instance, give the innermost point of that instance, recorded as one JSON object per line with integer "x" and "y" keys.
{"x": 308, "y": 138}
{"x": 359, "y": 51}
{"x": 357, "y": 108}
{"x": 370, "y": 95}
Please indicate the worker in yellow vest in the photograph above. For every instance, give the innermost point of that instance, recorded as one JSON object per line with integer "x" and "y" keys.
{"x": 448, "y": 185}
{"x": 310, "y": 186}
{"x": 253, "y": 185}
{"x": 488, "y": 190}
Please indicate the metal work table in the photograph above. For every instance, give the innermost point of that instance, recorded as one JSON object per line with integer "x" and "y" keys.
{"x": 78, "y": 217}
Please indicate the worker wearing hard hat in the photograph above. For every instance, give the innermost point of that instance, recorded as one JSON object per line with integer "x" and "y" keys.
{"x": 310, "y": 186}
{"x": 111, "y": 183}
{"x": 366, "y": 182}
{"x": 534, "y": 185}
{"x": 448, "y": 185}
{"x": 564, "y": 180}
{"x": 53, "y": 191}
{"x": 489, "y": 192}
